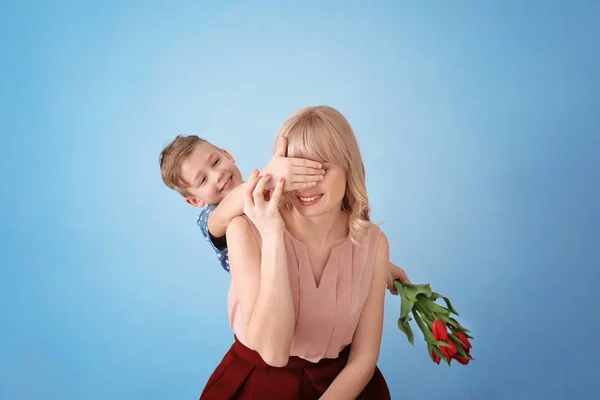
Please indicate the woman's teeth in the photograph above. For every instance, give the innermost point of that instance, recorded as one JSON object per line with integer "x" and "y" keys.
{"x": 307, "y": 199}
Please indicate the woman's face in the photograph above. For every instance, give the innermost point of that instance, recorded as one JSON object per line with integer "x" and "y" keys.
{"x": 325, "y": 196}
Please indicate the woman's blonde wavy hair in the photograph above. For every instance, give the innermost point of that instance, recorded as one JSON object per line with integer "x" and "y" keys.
{"x": 323, "y": 134}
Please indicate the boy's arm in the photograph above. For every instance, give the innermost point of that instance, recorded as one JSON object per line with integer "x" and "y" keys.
{"x": 229, "y": 208}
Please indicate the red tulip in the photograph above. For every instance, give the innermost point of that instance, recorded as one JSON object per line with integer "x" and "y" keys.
{"x": 435, "y": 357}
{"x": 449, "y": 352}
{"x": 438, "y": 327}
{"x": 461, "y": 360}
{"x": 466, "y": 345}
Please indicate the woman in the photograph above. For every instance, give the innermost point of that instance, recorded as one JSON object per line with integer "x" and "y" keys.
{"x": 308, "y": 279}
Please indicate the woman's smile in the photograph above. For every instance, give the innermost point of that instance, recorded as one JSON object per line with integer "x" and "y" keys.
{"x": 309, "y": 200}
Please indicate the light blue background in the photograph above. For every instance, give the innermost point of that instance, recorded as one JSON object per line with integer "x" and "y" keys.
{"x": 479, "y": 126}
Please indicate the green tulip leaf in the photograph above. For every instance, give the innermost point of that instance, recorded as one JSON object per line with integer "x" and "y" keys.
{"x": 433, "y": 307}
{"x": 454, "y": 323}
{"x": 435, "y": 296}
{"x": 411, "y": 291}
{"x": 442, "y": 317}
{"x": 425, "y": 315}
{"x": 404, "y": 326}
{"x": 426, "y": 332}
{"x": 424, "y": 310}
{"x": 406, "y": 305}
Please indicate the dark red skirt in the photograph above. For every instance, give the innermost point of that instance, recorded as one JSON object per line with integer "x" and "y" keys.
{"x": 242, "y": 374}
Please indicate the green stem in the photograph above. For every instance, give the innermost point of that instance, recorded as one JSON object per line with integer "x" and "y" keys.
{"x": 424, "y": 314}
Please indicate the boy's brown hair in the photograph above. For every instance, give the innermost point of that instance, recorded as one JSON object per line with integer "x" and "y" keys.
{"x": 171, "y": 159}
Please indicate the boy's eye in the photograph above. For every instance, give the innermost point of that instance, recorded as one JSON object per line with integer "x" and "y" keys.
{"x": 216, "y": 161}
{"x": 202, "y": 181}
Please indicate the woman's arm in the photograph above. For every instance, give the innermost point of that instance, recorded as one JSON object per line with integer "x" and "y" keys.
{"x": 263, "y": 289}
{"x": 366, "y": 342}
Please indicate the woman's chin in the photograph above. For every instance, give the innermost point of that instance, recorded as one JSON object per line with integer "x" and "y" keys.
{"x": 314, "y": 211}
{"x": 307, "y": 211}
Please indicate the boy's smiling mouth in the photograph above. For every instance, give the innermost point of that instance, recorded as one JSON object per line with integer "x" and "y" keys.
{"x": 227, "y": 183}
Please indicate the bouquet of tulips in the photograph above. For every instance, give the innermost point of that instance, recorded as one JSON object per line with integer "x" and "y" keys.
{"x": 445, "y": 337}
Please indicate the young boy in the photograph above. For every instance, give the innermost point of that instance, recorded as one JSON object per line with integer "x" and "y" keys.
{"x": 207, "y": 176}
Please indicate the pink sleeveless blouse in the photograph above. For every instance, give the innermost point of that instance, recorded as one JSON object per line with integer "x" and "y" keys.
{"x": 326, "y": 315}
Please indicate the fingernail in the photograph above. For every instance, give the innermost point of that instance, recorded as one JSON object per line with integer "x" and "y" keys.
{"x": 281, "y": 179}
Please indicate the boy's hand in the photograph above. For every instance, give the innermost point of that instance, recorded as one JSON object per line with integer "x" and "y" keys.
{"x": 297, "y": 173}
{"x": 395, "y": 273}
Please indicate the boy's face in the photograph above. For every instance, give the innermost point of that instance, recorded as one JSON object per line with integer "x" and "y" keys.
{"x": 211, "y": 173}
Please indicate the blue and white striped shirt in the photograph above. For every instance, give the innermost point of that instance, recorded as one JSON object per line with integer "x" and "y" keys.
{"x": 219, "y": 245}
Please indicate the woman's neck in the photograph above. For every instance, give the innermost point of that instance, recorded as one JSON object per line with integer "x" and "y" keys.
{"x": 328, "y": 228}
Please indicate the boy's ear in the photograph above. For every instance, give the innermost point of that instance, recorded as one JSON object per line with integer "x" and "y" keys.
{"x": 194, "y": 202}
{"x": 227, "y": 154}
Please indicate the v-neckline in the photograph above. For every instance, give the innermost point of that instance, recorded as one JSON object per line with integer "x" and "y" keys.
{"x": 313, "y": 279}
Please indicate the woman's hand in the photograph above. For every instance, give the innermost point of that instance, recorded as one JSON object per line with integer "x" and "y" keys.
{"x": 395, "y": 273}
{"x": 263, "y": 210}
